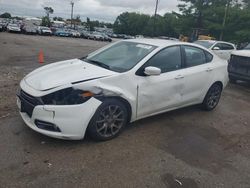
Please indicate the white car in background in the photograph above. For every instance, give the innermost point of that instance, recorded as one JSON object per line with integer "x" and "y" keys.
{"x": 220, "y": 48}
{"x": 120, "y": 83}
{"x": 14, "y": 28}
{"x": 44, "y": 30}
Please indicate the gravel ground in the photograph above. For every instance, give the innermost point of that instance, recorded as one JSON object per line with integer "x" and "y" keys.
{"x": 184, "y": 148}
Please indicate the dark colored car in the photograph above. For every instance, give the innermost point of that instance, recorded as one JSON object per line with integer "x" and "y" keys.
{"x": 29, "y": 29}
{"x": 63, "y": 33}
{"x": 106, "y": 38}
{"x": 239, "y": 65}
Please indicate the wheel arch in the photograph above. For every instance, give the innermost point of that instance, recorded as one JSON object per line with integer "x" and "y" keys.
{"x": 218, "y": 83}
{"x": 124, "y": 101}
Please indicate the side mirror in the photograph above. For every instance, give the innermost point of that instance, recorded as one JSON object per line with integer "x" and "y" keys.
{"x": 152, "y": 71}
{"x": 216, "y": 48}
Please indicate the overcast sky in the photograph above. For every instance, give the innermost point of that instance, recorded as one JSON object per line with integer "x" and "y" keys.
{"x": 106, "y": 10}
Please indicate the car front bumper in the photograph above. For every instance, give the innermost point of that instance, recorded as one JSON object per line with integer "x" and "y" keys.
{"x": 72, "y": 120}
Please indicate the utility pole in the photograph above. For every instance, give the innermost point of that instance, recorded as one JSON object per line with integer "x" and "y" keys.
{"x": 156, "y": 7}
{"x": 72, "y": 8}
{"x": 224, "y": 19}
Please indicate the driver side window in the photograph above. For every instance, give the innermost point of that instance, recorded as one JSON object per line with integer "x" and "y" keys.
{"x": 167, "y": 60}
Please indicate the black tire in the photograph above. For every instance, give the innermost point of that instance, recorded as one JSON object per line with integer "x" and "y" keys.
{"x": 108, "y": 121}
{"x": 212, "y": 97}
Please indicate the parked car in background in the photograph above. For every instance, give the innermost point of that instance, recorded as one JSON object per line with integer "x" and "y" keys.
{"x": 239, "y": 65}
{"x": 44, "y": 30}
{"x": 106, "y": 38}
{"x": 29, "y": 29}
{"x": 139, "y": 36}
{"x": 15, "y": 28}
{"x": 128, "y": 37}
{"x": 96, "y": 36}
{"x": 84, "y": 34}
{"x": 62, "y": 33}
{"x": 3, "y": 26}
{"x": 167, "y": 38}
{"x": 220, "y": 48}
{"x": 74, "y": 33}
{"x": 121, "y": 83}
{"x": 113, "y": 35}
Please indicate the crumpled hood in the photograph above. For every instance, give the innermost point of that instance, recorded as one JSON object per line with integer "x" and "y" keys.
{"x": 65, "y": 72}
{"x": 245, "y": 53}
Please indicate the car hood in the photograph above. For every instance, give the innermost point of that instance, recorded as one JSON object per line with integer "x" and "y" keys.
{"x": 63, "y": 73}
{"x": 45, "y": 30}
{"x": 245, "y": 53}
{"x": 14, "y": 28}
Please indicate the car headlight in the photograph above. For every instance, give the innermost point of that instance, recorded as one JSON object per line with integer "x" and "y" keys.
{"x": 68, "y": 96}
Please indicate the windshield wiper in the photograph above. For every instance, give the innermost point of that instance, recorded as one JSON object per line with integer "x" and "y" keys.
{"x": 97, "y": 63}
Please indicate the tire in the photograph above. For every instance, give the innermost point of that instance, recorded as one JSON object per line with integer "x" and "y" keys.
{"x": 212, "y": 97}
{"x": 108, "y": 121}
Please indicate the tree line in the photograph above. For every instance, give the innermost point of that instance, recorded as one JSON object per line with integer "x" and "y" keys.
{"x": 223, "y": 19}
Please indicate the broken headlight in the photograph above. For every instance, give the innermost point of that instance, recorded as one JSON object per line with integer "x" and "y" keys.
{"x": 68, "y": 96}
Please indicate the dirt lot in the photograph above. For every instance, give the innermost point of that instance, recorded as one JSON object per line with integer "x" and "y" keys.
{"x": 184, "y": 148}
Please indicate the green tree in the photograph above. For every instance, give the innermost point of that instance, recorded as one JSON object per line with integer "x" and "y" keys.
{"x": 90, "y": 25}
{"x": 207, "y": 17}
{"x": 48, "y": 11}
{"x": 46, "y": 21}
{"x": 5, "y": 15}
{"x": 58, "y": 19}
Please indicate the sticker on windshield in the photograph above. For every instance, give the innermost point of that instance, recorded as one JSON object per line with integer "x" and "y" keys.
{"x": 144, "y": 46}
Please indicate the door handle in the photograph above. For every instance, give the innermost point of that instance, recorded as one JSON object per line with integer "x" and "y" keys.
{"x": 209, "y": 69}
{"x": 179, "y": 77}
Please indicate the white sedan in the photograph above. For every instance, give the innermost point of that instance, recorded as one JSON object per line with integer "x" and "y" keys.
{"x": 120, "y": 83}
{"x": 220, "y": 48}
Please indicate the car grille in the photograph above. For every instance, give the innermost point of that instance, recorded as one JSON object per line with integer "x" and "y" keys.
{"x": 239, "y": 65}
{"x": 28, "y": 102}
{"x": 240, "y": 61}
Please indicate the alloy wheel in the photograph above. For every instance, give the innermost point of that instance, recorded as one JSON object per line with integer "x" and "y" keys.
{"x": 110, "y": 121}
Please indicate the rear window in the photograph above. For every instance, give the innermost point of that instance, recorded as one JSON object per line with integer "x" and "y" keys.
{"x": 247, "y": 47}
{"x": 206, "y": 44}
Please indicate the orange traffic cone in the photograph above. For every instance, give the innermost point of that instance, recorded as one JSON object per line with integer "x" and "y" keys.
{"x": 41, "y": 57}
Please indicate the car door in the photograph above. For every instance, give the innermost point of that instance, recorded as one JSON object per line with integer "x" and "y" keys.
{"x": 223, "y": 50}
{"x": 159, "y": 93}
{"x": 197, "y": 72}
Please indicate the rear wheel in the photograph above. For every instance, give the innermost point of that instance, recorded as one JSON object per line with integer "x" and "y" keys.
{"x": 212, "y": 97}
{"x": 108, "y": 121}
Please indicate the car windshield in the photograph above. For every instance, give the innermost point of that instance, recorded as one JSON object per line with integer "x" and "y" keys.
{"x": 45, "y": 28}
{"x": 13, "y": 25}
{"x": 121, "y": 56}
{"x": 206, "y": 44}
{"x": 247, "y": 47}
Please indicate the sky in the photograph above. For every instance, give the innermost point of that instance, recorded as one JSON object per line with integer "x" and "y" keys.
{"x": 104, "y": 10}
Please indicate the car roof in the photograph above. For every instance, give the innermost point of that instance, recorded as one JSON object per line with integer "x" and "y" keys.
{"x": 155, "y": 42}
{"x": 215, "y": 41}
{"x": 163, "y": 43}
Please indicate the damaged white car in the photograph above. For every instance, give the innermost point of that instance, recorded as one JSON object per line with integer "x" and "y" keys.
{"x": 118, "y": 84}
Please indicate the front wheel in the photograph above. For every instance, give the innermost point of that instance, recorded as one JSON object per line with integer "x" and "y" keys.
{"x": 212, "y": 97}
{"x": 108, "y": 121}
